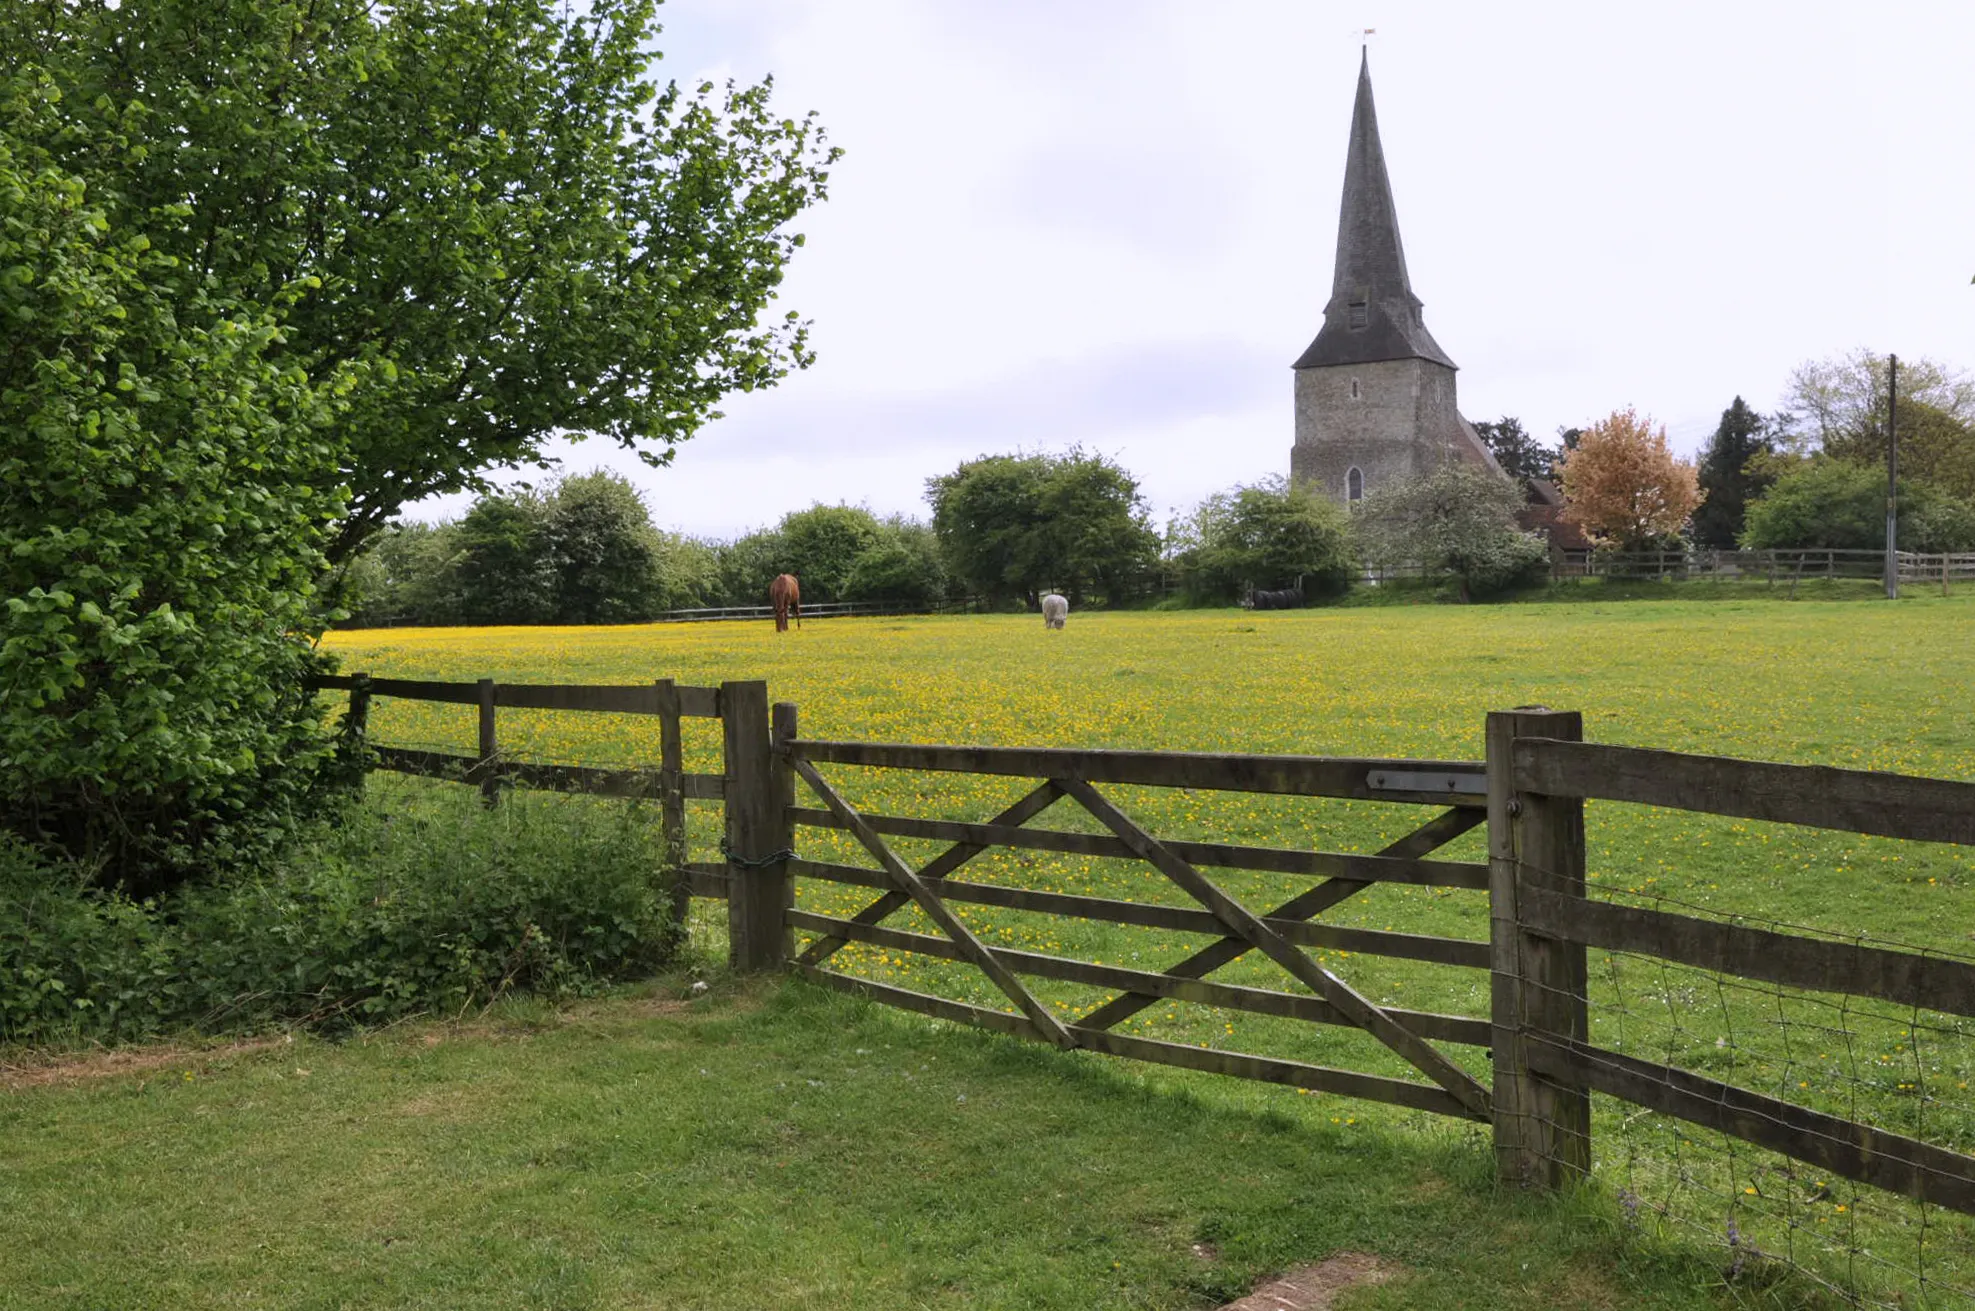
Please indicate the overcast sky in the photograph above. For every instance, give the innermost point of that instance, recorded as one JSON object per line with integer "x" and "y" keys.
{"x": 1111, "y": 222}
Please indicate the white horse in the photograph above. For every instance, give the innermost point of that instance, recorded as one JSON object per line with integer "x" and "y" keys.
{"x": 1055, "y": 610}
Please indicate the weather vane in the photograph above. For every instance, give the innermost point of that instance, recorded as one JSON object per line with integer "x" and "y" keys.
{"x": 1364, "y": 34}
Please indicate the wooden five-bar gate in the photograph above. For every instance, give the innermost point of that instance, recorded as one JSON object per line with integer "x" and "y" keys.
{"x": 1529, "y": 792}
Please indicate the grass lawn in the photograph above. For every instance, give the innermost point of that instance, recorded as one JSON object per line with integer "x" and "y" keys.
{"x": 762, "y": 1146}
{"x": 587, "y": 1161}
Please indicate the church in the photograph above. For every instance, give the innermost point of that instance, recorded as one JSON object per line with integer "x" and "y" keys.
{"x": 1375, "y": 398}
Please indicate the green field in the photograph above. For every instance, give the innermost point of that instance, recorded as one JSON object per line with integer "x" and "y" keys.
{"x": 1854, "y": 684}
{"x": 1861, "y": 685}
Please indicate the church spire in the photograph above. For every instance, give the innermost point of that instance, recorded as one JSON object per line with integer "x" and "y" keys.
{"x": 1373, "y": 314}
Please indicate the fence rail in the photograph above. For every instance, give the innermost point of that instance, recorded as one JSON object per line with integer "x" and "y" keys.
{"x": 1444, "y": 782}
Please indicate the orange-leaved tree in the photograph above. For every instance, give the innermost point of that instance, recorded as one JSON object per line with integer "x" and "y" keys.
{"x": 1622, "y": 485}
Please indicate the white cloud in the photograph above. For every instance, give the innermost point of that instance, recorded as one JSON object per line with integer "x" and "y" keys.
{"x": 1112, "y": 223}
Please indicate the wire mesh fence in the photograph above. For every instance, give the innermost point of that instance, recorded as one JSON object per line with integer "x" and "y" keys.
{"x": 1899, "y": 1069}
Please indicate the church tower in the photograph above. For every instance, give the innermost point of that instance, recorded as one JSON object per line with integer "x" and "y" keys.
{"x": 1374, "y": 392}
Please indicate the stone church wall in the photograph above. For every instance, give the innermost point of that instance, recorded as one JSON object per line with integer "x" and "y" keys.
{"x": 1402, "y": 422}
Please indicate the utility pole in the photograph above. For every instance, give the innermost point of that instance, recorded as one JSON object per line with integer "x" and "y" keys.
{"x": 1892, "y": 477}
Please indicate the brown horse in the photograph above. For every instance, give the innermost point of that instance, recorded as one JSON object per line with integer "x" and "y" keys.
{"x": 785, "y": 596}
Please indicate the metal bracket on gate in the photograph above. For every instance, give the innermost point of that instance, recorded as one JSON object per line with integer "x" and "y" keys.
{"x": 1465, "y": 783}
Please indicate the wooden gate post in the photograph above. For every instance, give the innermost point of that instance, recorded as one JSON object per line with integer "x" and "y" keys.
{"x": 672, "y": 799}
{"x": 759, "y": 836}
{"x": 1542, "y": 1128}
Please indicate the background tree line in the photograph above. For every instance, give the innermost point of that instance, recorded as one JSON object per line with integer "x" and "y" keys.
{"x": 1812, "y": 475}
{"x": 1004, "y": 529}
{"x": 584, "y": 550}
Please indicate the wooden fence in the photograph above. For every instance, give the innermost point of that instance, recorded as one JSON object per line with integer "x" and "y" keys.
{"x": 490, "y": 769}
{"x": 1529, "y": 791}
{"x": 1767, "y": 566}
{"x": 1541, "y": 770}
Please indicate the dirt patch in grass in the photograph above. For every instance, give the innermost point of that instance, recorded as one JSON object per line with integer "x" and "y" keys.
{"x": 61, "y": 1069}
{"x": 1315, "y": 1287}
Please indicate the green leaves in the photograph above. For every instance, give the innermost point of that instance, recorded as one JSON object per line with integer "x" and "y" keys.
{"x": 1269, "y": 535}
{"x": 332, "y": 260}
{"x": 158, "y": 544}
{"x": 1457, "y": 519}
{"x": 479, "y": 225}
{"x": 1011, "y": 525}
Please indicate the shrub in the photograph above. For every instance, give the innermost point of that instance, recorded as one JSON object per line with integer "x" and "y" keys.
{"x": 1824, "y": 502}
{"x": 420, "y": 900}
{"x": 161, "y": 534}
{"x": 904, "y": 566}
{"x": 1268, "y": 535}
{"x": 1458, "y": 519}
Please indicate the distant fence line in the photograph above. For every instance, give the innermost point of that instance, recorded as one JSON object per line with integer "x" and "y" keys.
{"x": 1770, "y": 567}
{"x": 824, "y": 610}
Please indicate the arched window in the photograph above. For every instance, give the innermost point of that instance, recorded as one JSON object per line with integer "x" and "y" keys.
{"x": 1354, "y": 485}
{"x": 1355, "y": 393}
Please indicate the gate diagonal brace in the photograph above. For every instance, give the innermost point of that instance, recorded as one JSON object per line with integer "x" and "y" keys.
{"x": 1359, "y": 1009}
{"x": 939, "y": 867}
{"x": 1430, "y": 836}
{"x": 1053, "y": 1029}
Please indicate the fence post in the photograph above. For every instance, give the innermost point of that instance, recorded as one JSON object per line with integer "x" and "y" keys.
{"x": 357, "y": 722}
{"x": 490, "y": 783}
{"x": 1542, "y": 1128}
{"x": 672, "y": 799}
{"x": 759, "y": 836}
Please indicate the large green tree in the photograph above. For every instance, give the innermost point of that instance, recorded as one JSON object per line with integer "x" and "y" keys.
{"x": 988, "y": 515}
{"x": 501, "y": 568}
{"x": 1270, "y": 534}
{"x": 1827, "y": 502}
{"x": 482, "y": 218}
{"x": 1010, "y": 525}
{"x": 1733, "y": 472}
{"x": 1521, "y": 456}
{"x": 822, "y": 545}
{"x": 604, "y": 553}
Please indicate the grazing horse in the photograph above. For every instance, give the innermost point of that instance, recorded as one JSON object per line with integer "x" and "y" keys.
{"x": 785, "y": 596}
{"x": 1055, "y": 611}
{"x": 1288, "y": 598}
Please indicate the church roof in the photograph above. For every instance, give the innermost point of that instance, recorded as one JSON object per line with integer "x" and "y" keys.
{"x": 1373, "y": 314}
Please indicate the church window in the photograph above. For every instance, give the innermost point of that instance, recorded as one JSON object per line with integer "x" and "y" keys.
{"x": 1355, "y": 393}
{"x": 1361, "y": 312}
{"x": 1354, "y": 485}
